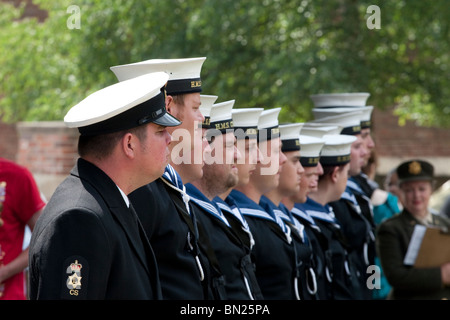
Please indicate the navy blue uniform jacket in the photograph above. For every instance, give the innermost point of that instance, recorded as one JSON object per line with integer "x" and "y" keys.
{"x": 88, "y": 244}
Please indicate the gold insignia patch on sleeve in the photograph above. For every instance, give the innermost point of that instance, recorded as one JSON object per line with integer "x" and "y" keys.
{"x": 73, "y": 282}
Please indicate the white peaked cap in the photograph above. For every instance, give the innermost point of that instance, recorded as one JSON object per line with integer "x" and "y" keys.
{"x": 290, "y": 131}
{"x": 188, "y": 68}
{"x": 207, "y": 102}
{"x": 337, "y": 149}
{"x": 356, "y": 99}
{"x": 246, "y": 117}
{"x": 121, "y": 106}
{"x": 318, "y": 130}
{"x": 221, "y": 111}
{"x": 268, "y": 118}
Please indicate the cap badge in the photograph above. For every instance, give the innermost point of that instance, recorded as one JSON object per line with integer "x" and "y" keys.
{"x": 414, "y": 168}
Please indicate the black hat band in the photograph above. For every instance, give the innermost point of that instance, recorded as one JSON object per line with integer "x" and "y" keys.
{"x": 183, "y": 86}
{"x": 222, "y": 126}
{"x": 246, "y": 132}
{"x": 366, "y": 124}
{"x": 352, "y": 130}
{"x": 268, "y": 133}
{"x": 309, "y": 161}
{"x": 290, "y": 145}
{"x": 334, "y": 160}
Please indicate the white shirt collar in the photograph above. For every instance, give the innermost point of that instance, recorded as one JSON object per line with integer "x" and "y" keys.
{"x": 124, "y": 196}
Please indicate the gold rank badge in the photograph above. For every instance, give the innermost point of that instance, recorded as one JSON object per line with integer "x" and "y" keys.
{"x": 74, "y": 280}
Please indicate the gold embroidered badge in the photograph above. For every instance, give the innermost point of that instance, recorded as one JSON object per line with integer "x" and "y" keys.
{"x": 414, "y": 168}
{"x": 74, "y": 280}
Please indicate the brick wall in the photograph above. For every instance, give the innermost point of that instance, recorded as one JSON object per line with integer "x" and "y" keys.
{"x": 8, "y": 141}
{"x": 47, "y": 147}
{"x": 397, "y": 141}
{"x": 395, "y": 144}
{"x": 48, "y": 150}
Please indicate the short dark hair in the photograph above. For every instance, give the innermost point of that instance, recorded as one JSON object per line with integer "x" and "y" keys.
{"x": 328, "y": 170}
{"x": 178, "y": 98}
{"x": 102, "y": 146}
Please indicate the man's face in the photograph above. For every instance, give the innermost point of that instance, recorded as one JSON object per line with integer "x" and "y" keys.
{"x": 248, "y": 148}
{"x": 267, "y": 174}
{"x": 153, "y": 155}
{"x": 358, "y": 156}
{"x": 222, "y": 173}
{"x": 368, "y": 142}
{"x": 188, "y": 138}
{"x": 190, "y": 115}
{"x": 290, "y": 174}
{"x": 308, "y": 183}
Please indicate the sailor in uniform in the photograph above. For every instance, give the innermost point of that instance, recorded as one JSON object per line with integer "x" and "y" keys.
{"x": 163, "y": 205}
{"x": 274, "y": 251}
{"x": 221, "y": 224}
{"x": 354, "y": 209}
{"x": 289, "y": 184}
{"x": 309, "y": 158}
{"x": 335, "y": 160}
{"x": 245, "y": 124}
{"x": 89, "y": 242}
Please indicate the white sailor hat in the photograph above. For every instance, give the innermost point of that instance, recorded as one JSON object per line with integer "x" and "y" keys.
{"x": 123, "y": 105}
{"x": 318, "y": 130}
{"x": 327, "y": 112}
{"x": 289, "y": 134}
{"x": 245, "y": 122}
{"x": 310, "y": 150}
{"x": 350, "y": 121}
{"x": 220, "y": 116}
{"x": 326, "y": 100}
{"x": 268, "y": 124}
{"x": 366, "y": 118}
{"x": 207, "y": 102}
{"x": 184, "y": 73}
{"x": 336, "y": 150}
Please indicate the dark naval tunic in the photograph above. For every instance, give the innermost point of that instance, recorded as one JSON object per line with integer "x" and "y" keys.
{"x": 354, "y": 213}
{"x": 88, "y": 244}
{"x": 316, "y": 239}
{"x": 338, "y": 265}
{"x": 231, "y": 245}
{"x": 171, "y": 228}
{"x": 306, "y": 285}
{"x": 273, "y": 253}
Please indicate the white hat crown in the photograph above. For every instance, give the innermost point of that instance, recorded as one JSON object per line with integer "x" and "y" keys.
{"x": 207, "y": 102}
{"x": 353, "y": 99}
{"x": 116, "y": 99}
{"x": 268, "y": 118}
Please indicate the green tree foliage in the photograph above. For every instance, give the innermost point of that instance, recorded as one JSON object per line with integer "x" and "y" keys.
{"x": 265, "y": 53}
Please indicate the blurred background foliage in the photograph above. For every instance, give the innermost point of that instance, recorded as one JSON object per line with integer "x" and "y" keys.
{"x": 265, "y": 53}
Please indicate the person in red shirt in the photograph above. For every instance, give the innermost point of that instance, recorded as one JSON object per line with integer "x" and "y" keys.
{"x": 20, "y": 205}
